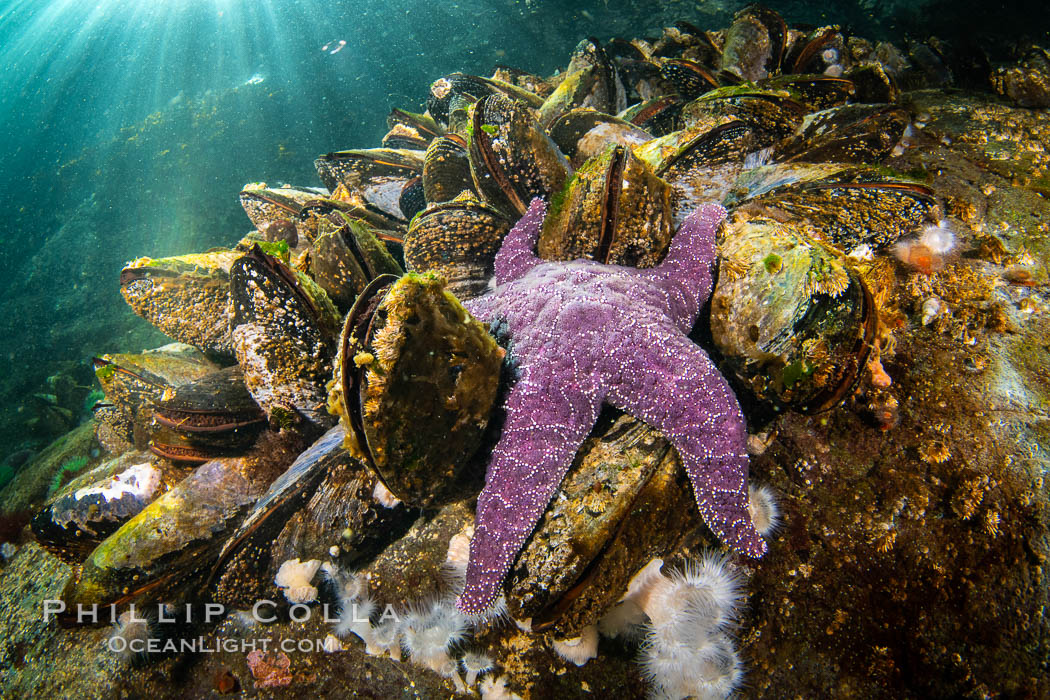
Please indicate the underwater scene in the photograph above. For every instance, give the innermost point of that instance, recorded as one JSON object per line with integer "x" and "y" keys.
{"x": 525, "y": 349}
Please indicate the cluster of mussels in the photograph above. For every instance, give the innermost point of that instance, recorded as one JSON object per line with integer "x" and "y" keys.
{"x": 249, "y": 468}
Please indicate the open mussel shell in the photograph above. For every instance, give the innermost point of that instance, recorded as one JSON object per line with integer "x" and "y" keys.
{"x": 512, "y": 159}
{"x": 376, "y": 174}
{"x": 590, "y": 81}
{"x": 212, "y": 417}
{"x": 793, "y": 321}
{"x": 186, "y": 297}
{"x": 324, "y": 499}
{"x": 771, "y": 114}
{"x": 846, "y": 134}
{"x": 283, "y": 328}
{"x": 415, "y": 384}
{"x": 457, "y": 240}
{"x": 623, "y": 502}
{"x": 133, "y": 382}
{"x": 847, "y": 206}
{"x": 754, "y": 44}
{"x": 96, "y": 504}
{"x": 266, "y": 205}
{"x": 700, "y": 164}
{"x": 614, "y": 210}
{"x": 164, "y": 551}
{"x": 446, "y": 169}
{"x": 346, "y": 256}
{"x": 583, "y": 133}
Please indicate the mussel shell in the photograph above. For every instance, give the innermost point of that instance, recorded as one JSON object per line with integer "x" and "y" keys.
{"x": 214, "y": 416}
{"x": 264, "y": 205}
{"x": 689, "y": 78}
{"x": 659, "y": 116}
{"x": 591, "y": 81}
{"x": 422, "y": 124}
{"x": 421, "y": 374}
{"x": 96, "y": 504}
{"x": 376, "y": 174}
{"x": 413, "y": 198}
{"x": 347, "y": 256}
{"x": 446, "y": 169}
{"x": 457, "y": 240}
{"x": 816, "y": 92}
{"x": 186, "y": 296}
{"x": 802, "y": 57}
{"x": 846, "y": 134}
{"x": 700, "y": 164}
{"x": 614, "y": 210}
{"x": 323, "y": 499}
{"x": 793, "y": 320}
{"x": 456, "y": 90}
{"x": 771, "y": 114}
{"x": 754, "y": 44}
{"x": 114, "y": 429}
{"x": 624, "y": 501}
{"x": 163, "y": 552}
{"x": 583, "y": 133}
{"x": 847, "y": 206}
{"x": 511, "y": 157}
{"x": 872, "y": 83}
{"x": 283, "y": 335}
{"x": 132, "y": 383}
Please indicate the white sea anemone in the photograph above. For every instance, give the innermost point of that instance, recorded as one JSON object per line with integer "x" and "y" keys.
{"x": 294, "y": 579}
{"x": 476, "y": 664}
{"x": 579, "y": 650}
{"x": 762, "y": 504}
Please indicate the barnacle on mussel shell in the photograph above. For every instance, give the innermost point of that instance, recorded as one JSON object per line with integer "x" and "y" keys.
{"x": 415, "y": 382}
{"x": 457, "y": 240}
{"x": 284, "y": 328}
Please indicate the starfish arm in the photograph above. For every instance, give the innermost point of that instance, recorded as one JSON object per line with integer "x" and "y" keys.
{"x": 546, "y": 423}
{"x": 685, "y": 272}
{"x": 674, "y": 386}
{"x": 517, "y": 254}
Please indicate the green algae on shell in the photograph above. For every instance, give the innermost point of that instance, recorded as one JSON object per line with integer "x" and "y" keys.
{"x": 94, "y": 505}
{"x": 793, "y": 320}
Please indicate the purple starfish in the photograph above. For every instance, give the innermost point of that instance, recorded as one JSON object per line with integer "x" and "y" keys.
{"x": 585, "y": 333}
